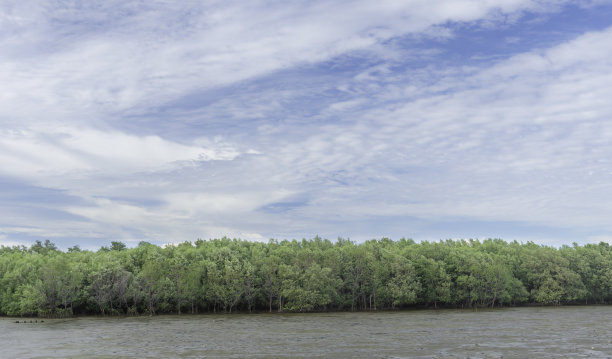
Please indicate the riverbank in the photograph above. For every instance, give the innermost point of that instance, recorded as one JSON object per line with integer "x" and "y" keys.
{"x": 37, "y": 319}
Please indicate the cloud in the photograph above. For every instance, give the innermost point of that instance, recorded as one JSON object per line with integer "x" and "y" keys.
{"x": 34, "y": 154}
{"x": 168, "y": 122}
{"x": 519, "y": 140}
{"x": 9, "y": 243}
{"x": 515, "y": 139}
{"x": 105, "y": 59}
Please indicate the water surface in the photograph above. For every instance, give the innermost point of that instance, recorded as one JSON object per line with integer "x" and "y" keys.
{"x": 561, "y": 332}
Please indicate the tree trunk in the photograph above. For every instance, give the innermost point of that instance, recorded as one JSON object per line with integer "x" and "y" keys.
{"x": 150, "y": 302}
{"x": 374, "y": 299}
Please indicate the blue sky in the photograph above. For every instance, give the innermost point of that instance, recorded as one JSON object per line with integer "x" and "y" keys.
{"x": 170, "y": 121}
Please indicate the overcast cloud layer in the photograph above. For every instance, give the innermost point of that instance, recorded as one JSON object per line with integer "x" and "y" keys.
{"x": 170, "y": 121}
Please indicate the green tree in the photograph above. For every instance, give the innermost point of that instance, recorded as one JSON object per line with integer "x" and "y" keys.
{"x": 117, "y": 246}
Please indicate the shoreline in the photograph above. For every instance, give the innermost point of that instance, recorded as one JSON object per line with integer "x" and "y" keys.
{"x": 28, "y": 320}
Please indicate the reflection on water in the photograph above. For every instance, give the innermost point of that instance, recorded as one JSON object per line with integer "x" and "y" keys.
{"x": 570, "y": 332}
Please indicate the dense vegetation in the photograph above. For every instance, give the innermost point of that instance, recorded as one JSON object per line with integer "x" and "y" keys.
{"x": 309, "y": 275}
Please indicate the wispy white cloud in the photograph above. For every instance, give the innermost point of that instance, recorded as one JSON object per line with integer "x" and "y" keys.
{"x": 521, "y": 140}
{"x": 516, "y": 139}
{"x": 32, "y": 154}
{"x": 174, "y": 121}
{"x": 98, "y": 59}
{"x": 8, "y": 243}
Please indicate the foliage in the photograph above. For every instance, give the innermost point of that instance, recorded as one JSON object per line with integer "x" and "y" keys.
{"x": 227, "y": 275}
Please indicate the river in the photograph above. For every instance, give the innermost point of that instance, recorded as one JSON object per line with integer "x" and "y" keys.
{"x": 544, "y": 332}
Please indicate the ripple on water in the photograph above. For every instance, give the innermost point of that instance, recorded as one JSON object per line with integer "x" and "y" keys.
{"x": 566, "y": 332}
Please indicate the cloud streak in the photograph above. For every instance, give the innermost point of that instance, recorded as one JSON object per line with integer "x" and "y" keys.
{"x": 33, "y": 153}
{"x": 110, "y": 57}
{"x": 168, "y": 122}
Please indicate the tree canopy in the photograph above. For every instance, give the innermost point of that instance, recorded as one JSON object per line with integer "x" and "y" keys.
{"x": 227, "y": 275}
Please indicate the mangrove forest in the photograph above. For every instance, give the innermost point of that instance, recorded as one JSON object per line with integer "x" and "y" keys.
{"x": 230, "y": 275}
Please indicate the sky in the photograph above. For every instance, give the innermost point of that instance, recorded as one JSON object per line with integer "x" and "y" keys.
{"x": 171, "y": 121}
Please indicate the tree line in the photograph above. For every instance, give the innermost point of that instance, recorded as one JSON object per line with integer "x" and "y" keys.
{"x": 228, "y": 275}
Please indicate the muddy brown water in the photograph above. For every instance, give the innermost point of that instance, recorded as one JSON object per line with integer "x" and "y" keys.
{"x": 550, "y": 332}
